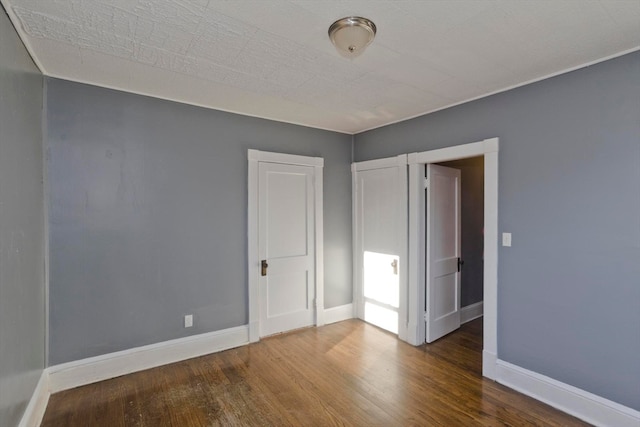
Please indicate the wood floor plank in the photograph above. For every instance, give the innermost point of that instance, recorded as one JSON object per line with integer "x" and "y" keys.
{"x": 345, "y": 374}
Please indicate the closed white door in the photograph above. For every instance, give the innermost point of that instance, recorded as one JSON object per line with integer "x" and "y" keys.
{"x": 443, "y": 251}
{"x": 380, "y": 221}
{"x": 286, "y": 247}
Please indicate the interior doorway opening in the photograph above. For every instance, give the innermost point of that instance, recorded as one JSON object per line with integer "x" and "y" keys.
{"x": 465, "y": 329}
{"x": 416, "y": 330}
{"x": 472, "y": 235}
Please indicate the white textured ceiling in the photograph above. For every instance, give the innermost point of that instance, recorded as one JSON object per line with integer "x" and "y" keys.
{"x": 273, "y": 59}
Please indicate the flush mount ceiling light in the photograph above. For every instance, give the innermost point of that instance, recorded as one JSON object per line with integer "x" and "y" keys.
{"x": 352, "y": 35}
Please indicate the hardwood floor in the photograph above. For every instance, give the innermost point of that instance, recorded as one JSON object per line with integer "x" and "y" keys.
{"x": 345, "y": 374}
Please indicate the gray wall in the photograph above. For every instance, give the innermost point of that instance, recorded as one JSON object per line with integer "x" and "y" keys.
{"x": 148, "y": 216}
{"x": 569, "y": 191}
{"x": 22, "y": 321}
{"x": 472, "y": 228}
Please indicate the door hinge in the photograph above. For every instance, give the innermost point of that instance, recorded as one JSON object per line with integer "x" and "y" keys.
{"x": 426, "y": 183}
{"x": 426, "y": 316}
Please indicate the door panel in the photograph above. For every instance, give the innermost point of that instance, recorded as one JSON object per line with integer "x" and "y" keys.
{"x": 286, "y": 210}
{"x": 445, "y": 303}
{"x": 286, "y": 242}
{"x": 378, "y": 195}
{"x": 443, "y": 211}
{"x": 285, "y": 295}
{"x": 443, "y": 251}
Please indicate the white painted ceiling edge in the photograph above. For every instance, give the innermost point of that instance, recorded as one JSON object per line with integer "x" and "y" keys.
{"x": 272, "y": 59}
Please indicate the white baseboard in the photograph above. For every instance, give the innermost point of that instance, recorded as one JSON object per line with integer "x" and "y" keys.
{"x": 338, "y": 314}
{"x": 34, "y": 412}
{"x": 99, "y": 368}
{"x": 254, "y": 331}
{"x": 579, "y": 403}
{"x": 489, "y": 364}
{"x": 471, "y": 312}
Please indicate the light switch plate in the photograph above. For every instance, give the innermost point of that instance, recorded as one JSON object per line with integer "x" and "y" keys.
{"x": 506, "y": 239}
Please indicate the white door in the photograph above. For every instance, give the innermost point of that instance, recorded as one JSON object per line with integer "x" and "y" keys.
{"x": 381, "y": 235}
{"x": 443, "y": 251}
{"x": 286, "y": 247}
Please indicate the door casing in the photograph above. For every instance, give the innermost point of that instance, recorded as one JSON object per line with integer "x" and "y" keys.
{"x": 253, "y": 267}
{"x": 416, "y": 292}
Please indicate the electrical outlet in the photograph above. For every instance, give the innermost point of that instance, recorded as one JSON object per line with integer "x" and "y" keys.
{"x": 188, "y": 320}
{"x": 506, "y": 239}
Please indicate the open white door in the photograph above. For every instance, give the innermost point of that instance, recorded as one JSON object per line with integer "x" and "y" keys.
{"x": 443, "y": 251}
{"x": 380, "y": 224}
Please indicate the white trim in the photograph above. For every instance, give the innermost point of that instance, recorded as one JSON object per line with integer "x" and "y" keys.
{"x": 356, "y": 269}
{"x": 489, "y": 149}
{"x": 252, "y": 248}
{"x": 489, "y": 360}
{"x": 506, "y": 89}
{"x": 38, "y": 403}
{"x": 254, "y": 157}
{"x": 104, "y": 367}
{"x": 319, "y": 239}
{"x": 289, "y": 159}
{"x": 587, "y": 406}
{"x": 403, "y": 309}
{"x": 338, "y": 314}
{"x": 416, "y": 332}
{"x": 456, "y": 152}
{"x": 490, "y": 277}
{"x": 387, "y": 162}
{"x": 471, "y": 312}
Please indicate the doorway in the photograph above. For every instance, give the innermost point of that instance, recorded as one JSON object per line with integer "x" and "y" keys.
{"x": 416, "y": 331}
{"x": 285, "y": 244}
{"x": 471, "y": 238}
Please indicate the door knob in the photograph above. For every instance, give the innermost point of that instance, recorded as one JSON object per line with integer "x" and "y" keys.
{"x": 263, "y": 267}
{"x": 394, "y": 264}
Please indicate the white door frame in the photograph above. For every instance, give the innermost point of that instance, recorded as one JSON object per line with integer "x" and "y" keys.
{"x": 416, "y": 292}
{"x": 253, "y": 261}
{"x": 358, "y": 292}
